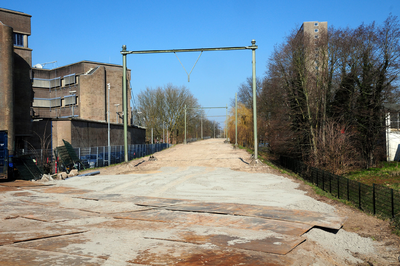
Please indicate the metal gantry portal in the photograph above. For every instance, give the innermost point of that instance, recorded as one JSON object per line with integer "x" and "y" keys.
{"x": 124, "y": 53}
{"x": 196, "y": 108}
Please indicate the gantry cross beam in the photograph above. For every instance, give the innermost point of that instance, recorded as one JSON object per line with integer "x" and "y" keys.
{"x": 124, "y": 53}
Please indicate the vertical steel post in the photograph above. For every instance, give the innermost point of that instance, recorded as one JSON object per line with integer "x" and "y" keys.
{"x": 236, "y": 120}
{"x": 185, "y": 124}
{"x": 108, "y": 119}
{"x": 226, "y": 124}
{"x": 125, "y": 112}
{"x": 202, "y": 126}
{"x": 163, "y": 136}
{"x": 214, "y": 129}
{"x": 151, "y": 135}
{"x": 254, "y": 47}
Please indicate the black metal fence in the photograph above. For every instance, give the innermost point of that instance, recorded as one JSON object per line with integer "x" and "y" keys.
{"x": 375, "y": 199}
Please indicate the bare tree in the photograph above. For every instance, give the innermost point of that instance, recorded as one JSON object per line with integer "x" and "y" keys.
{"x": 344, "y": 77}
{"x": 338, "y": 153}
{"x": 165, "y": 107}
{"x": 245, "y": 92}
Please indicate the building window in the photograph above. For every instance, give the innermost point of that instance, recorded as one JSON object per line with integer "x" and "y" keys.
{"x": 316, "y": 24}
{"x": 315, "y": 30}
{"x": 18, "y": 39}
{"x": 394, "y": 121}
{"x": 69, "y": 79}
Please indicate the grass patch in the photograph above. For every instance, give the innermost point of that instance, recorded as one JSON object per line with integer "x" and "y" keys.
{"x": 386, "y": 174}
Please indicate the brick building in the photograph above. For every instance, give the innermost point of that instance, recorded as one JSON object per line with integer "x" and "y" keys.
{"x": 15, "y": 78}
{"x": 72, "y": 102}
{"x": 75, "y": 100}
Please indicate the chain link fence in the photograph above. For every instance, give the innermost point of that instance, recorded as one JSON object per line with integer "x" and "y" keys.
{"x": 93, "y": 157}
{"x": 100, "y": 156}
{"x": 375, "y": 199}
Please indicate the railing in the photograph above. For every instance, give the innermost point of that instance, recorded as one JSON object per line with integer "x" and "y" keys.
{"x": 95, "y": 156}
{"x": 99, "y": 157}
{"x": 375, "y": 199}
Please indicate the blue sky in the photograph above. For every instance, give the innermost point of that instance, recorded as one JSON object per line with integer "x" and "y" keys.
{"x": 72, "y": 31}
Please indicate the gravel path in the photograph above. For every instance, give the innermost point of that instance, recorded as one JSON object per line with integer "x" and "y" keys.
{"x": 119, "y": 217}
{"x": 212, "y": 171}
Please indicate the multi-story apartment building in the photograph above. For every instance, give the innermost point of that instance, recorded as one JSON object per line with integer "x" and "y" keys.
{"x": 78, "y": 103}
{"x": 72, "y": 102}
{"x": 15, "y": 77}
{"x": 312, "y": 32}
{"x": 79, "y": 91}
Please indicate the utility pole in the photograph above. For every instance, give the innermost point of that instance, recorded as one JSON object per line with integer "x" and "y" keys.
{"x": 202, "y": 126}
{"x": 253, "y": 48}
{"x": 214, "y": 129}
{"x": 108, "y": 120}
{"x": 185, "y": 124}
{"x": 236, "y": 121}
{"x": 226, "y": 125}
{"x": 125, "y": 103}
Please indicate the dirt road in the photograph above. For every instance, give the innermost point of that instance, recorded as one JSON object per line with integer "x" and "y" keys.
{"x": 197, "y": 204}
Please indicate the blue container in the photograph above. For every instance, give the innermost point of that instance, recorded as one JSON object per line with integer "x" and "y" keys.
{"x": 3, "y": 155}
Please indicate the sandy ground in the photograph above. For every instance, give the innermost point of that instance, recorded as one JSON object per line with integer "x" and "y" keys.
{"x": 207, "y": 172}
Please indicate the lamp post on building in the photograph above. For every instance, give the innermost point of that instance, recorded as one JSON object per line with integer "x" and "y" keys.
{"x": 116, "y": 105}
